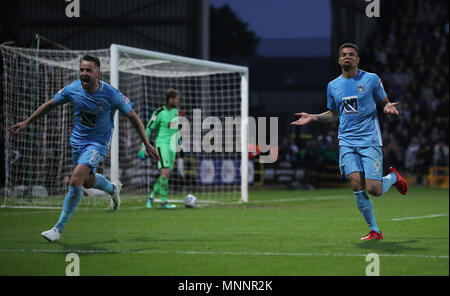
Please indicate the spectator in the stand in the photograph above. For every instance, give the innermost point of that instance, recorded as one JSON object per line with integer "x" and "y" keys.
{"x": 284, "y": 152}
{"x": 411, "y": 53}
{"x": 312, "y": 161}
{"x": 294, "y": 152}
{"x": 425, "y": 156}
{"x": 411, "y": 160}
{"x": 440, "y": 154}
{"x": 310, "y": 155}
{"x": 393, "y": 152}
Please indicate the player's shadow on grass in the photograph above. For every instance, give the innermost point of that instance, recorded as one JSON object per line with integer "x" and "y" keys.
{"x": 389, "y": 247}
{"x": 88, "y": 248}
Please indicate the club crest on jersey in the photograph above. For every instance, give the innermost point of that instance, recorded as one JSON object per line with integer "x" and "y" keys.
{"x": 360, "y": 88}
{"x": 376, "y": 166}
{"x": 101, "y": 106}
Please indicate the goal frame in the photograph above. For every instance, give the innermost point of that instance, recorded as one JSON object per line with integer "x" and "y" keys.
{"x": 116, "y": 49}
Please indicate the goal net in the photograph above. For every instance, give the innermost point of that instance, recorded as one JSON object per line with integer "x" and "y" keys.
{"x": 39, "y": 159}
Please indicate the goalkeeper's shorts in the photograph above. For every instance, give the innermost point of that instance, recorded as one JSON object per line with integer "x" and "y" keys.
{"x": 88, "y": 155}
{"x": 167, "y": 155}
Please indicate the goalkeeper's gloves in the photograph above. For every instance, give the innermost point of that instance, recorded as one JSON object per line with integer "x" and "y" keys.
{"x": 141, "y": 153}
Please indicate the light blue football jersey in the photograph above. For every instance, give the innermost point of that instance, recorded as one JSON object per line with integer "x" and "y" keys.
{"x": 93, "y": 113}
{"x": 355, "y": 99}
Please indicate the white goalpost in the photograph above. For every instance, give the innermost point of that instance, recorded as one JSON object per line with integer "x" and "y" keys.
{"x": 38, "y": 160}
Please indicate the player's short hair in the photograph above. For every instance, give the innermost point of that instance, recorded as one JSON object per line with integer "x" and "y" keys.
{"x": 91, "y": 58}
{"x": 171, "y": 94}
{"x": 348, "y": 44}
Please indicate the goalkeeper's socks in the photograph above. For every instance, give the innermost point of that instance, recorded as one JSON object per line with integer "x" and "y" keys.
{"x": 71, "y": 202}
{"x": 156, "y": 188}
{"x": 365, "y": 206}
{"x": 388, "y": 181}
{"x": 103, "y": 184}
{"x": 164, "y": 188}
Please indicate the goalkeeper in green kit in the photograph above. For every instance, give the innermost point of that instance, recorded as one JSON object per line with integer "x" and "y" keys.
{"x": 164, "y": 122}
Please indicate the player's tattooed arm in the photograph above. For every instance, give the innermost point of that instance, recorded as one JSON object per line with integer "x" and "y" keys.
{"x": 139, "y": 127}
{"x": 43, "y": 110}
{"x": 306, "y": 118}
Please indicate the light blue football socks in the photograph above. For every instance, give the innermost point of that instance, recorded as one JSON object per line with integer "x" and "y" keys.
{"x": 365, "y": 206}
{"x": 103, "y": 184}
{"x": 73, "y": 198}
{"x": 71, "y": 202}
{"x": 364, "y": 203}
{"x": 388, "y": 181}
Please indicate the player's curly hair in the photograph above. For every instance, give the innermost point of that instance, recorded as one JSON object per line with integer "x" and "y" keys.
{"x": 348, "y": 44}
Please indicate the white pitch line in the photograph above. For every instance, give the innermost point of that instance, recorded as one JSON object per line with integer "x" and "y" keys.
{"x": 182, "y": 200}
{"x": 419, "y": 217}
{"x": 22, "y": 213}
{"x": 216, "y": 253}
{"x": 31, "y": 207}
{"x": 301, "y": 199}
{"x": 309, "y": 254}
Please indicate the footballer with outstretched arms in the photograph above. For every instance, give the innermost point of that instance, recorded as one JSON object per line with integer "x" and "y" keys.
{"x": 164, "y": 124}
{"x": 354, "y": 96}
{"x": 95, "y": 103}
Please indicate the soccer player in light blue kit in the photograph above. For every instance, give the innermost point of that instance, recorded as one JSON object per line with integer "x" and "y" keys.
{"x": 95, "y": 103}
{"x": 354, "y": 96}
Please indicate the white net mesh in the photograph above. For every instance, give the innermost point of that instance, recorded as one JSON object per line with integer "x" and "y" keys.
{"x": 39, "y": 159}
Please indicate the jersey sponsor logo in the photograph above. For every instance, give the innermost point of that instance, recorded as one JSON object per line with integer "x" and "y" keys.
{"x": 360, "y": 88}
{"x": 173, "y": 124}
{"x": 350, "y": 105}
{"x": 88, "y": 118}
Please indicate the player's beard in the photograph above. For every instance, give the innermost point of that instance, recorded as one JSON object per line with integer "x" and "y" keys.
{"x": 348, "y": 67}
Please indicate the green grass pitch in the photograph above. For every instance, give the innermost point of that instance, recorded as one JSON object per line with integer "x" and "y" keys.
{"x": 277, "y": 233}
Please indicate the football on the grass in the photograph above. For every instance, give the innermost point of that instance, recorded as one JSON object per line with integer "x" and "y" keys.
{"x": 190, "y": 201}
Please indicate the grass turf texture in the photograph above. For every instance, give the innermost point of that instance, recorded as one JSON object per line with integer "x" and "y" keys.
{"x": 277, "y": 233}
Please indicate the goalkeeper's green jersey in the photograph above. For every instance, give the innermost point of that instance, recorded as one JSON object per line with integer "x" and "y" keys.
{"x": 164, "y": 123}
